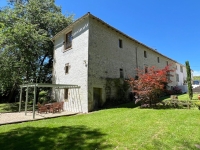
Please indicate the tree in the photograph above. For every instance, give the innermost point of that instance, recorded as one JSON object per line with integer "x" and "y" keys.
{"x": 148, "y": 86}
{"x": 26, "y": 50}
{"x": 196, "y": 78}
{"x": 189, "y": 82}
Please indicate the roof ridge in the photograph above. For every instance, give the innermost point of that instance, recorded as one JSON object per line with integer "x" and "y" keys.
{"x": 89, "y": 14}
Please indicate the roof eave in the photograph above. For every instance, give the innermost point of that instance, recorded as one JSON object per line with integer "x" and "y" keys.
{"x": 70, "y": 26}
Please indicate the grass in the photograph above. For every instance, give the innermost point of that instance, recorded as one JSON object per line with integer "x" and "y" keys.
{"x": 14, "y": 107}
{"x": 124, "y": 127}
{"x": 181, "y": 97}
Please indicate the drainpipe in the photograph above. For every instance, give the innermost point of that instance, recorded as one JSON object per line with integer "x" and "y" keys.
{"x": 136, "y": 59}
{"x": 136, "y": 56}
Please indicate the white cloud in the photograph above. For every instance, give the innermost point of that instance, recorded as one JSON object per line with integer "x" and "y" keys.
{"x": 196, "y": 73}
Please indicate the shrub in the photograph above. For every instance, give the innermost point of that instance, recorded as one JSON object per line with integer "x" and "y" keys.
{"x": 150, "y": 85}
{"x": 177, "y": 90}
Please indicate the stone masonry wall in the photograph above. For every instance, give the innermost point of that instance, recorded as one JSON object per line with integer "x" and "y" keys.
{"x": 106, "y": 58}
{"x": 77, "y": 58}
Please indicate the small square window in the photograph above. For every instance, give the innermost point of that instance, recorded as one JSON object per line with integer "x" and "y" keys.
{"x": 121, "y": 73}
{"x": 181, "y": 68}
{"x": 177, "y": 77}
{"x": 66, "y": 93}
{"x": 146, "y": 69}
{"x": 68, "y": 40}
{"x": 120, "y": 43}
{"x": 66, "y": 68}
{"x": 158, "y": 59}
{"x": 168, "y": 75}
{"x": 145, "y": 54}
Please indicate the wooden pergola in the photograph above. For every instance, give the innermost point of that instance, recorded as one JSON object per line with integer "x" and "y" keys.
{"x": 35, "y": 86}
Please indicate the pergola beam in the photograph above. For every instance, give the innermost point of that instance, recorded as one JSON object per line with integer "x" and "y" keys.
{"x": 35, "y": 85}
{"x": 50, "y": 85}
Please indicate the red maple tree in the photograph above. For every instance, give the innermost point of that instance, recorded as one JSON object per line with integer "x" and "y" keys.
{"x": 148, "y": 86}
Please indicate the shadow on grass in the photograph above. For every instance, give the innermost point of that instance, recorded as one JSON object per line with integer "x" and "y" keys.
{"x": 129, "y": 105}
{"x": 125, "y": 105}
{"x": 60, "y": 138}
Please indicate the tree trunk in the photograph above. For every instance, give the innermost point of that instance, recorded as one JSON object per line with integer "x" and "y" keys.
{"x": 11, "y": 97}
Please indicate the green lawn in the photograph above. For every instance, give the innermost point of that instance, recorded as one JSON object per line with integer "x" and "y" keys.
{"x": 181, "y": 97}
{"x": 123, "y": 128}
{"x": 14, "y": 107}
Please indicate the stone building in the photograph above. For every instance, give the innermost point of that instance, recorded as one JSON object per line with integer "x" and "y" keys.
{"x": 181, "y": 77}
{"x": 89, "y": 53}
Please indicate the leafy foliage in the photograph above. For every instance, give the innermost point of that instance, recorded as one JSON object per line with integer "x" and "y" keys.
{"x": 196, "y": 77}
{"x": 26, "y": 49}
{"x": 174, "y": 90}
{"x": 121, "y": 92}
{"x": 190, "y": 92}
{"x": 149, "y": 86}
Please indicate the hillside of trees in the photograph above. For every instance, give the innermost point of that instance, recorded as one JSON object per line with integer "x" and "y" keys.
{"x": 196, "y": 77}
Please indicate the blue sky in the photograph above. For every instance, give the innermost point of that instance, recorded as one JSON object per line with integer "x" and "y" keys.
{"x": 170, "y": 26}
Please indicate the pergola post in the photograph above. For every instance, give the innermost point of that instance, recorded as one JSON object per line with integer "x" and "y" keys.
{"x": 35, "y": 88}
{"x": 80, "y": 101}
{"x": 26, "y": 101}
{"x": 20, "y": 99}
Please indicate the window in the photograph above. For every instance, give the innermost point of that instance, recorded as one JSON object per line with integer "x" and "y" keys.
{"x": 121, "y": 73}
{"x": 145, "y": 54}
{"x": 181, "y": 68}
{"x": 168, "y": 75}
{"x": 66, "y": 93}
{"x": 167, "y": 63}
{"x": 176, "y": 67}
{"x": 120, "y": 43}
{"x": 66, "y": 68}
{"x": 158, "y": 59}
{"x": 146, "y": 69}
{"x": 68, "y": 40}
{"x": 177, "y": 77}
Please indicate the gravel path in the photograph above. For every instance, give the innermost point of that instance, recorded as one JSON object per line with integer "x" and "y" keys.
{"x": 8, "y": 118}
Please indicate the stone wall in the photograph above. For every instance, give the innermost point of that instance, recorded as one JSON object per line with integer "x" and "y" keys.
{"x": 106, "y": 58}
{"x": 77, "y": 59}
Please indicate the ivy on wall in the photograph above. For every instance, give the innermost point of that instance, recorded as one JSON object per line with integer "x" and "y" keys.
{"x": 116, "y": 91}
